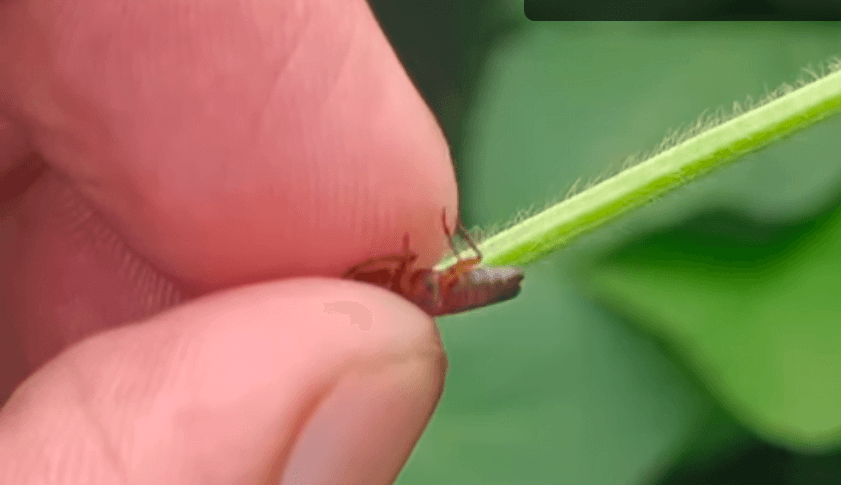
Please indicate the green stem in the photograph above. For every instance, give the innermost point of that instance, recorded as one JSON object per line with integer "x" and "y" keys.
{"x": 562, "y": 223}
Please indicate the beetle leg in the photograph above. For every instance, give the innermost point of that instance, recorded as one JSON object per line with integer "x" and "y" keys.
{"x": 404, "y": 260}
{"x": 461, "y": 266}
{"x": 463, "y": 233}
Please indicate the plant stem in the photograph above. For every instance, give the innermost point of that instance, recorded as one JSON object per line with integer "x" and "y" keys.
{"x": 560, "y": 224}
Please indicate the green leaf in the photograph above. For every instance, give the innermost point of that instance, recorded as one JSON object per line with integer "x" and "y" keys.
{"x": 753, "y": 308}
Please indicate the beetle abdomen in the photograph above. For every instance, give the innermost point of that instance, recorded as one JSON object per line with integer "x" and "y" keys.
{"x": 481, "y": 286}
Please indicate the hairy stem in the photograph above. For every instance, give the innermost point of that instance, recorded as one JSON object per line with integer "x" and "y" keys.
{"x": 718, "y": 143}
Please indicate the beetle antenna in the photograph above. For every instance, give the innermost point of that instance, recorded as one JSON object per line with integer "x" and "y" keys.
{"x": 448, "y": 233}
{"x": 463, "y": 233}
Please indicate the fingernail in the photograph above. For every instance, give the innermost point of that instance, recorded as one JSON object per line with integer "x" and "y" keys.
{"x": 363, "y": 432}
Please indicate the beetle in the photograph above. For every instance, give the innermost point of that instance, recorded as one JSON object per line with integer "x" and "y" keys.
{"x": 463, "y": 286}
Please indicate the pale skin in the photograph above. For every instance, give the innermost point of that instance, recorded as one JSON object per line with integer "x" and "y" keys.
{"x": 234, "y": 154}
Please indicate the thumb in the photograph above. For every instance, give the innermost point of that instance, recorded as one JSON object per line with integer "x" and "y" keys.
{"x": 300, "y": 381}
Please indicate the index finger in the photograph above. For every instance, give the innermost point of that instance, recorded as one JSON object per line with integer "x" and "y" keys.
{"x": 232, "y": 142}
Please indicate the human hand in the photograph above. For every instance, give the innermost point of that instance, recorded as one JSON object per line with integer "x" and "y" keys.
{"x": 208, "y": 149}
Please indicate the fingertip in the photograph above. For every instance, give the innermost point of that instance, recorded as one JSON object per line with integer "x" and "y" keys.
{"x": 365, "y": 429}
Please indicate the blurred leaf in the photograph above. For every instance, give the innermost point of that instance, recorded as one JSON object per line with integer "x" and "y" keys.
{"x": 548, "y": 388}
{"x": 753, "y": 308}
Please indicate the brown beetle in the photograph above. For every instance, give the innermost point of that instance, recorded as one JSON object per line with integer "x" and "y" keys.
{"x": 461, "y": 287}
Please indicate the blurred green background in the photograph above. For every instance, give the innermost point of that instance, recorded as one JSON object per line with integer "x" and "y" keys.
{"x": 697, "y": 340}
